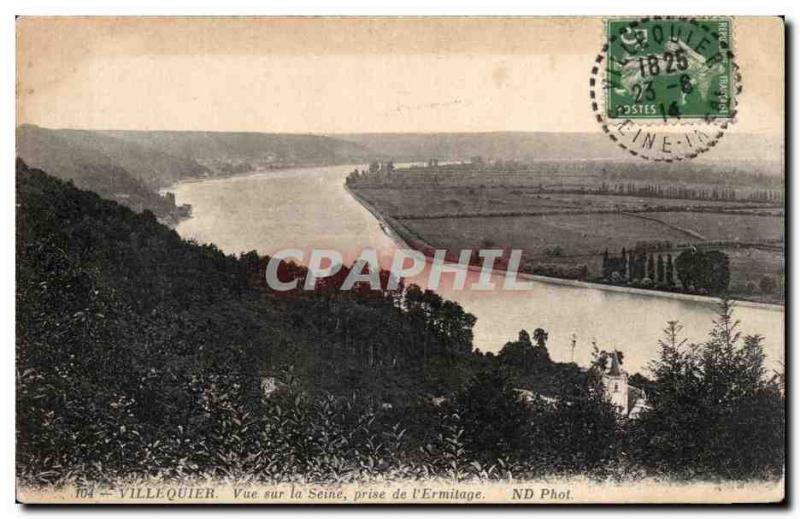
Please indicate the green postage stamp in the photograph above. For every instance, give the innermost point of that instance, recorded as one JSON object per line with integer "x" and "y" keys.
{"x": 669, "y": 68}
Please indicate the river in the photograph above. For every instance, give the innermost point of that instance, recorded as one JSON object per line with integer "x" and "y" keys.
{"x": 309, "y": 207}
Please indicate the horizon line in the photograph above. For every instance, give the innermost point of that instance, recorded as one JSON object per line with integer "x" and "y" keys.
{"x": 342, "y": 133}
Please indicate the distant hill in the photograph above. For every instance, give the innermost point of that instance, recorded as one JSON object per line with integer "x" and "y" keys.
{"x": 160, "y": 158}
{"x": 262, "y": 148}
{"x": 69, "y": 152}
{"x": 104, "y": 165}
{"x": 523, "y": 146}
{"x": 130, "y": 166}
{"x": 500, "y": 145}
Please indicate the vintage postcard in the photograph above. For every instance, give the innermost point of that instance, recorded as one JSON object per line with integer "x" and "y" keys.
{"x": 352, "y": 260}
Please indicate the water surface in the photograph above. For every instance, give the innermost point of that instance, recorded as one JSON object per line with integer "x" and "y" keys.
{"x": 309, "y": 207}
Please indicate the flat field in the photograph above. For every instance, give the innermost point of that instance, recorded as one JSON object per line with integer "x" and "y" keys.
{"x": 727, "y": 227}
{"x": 574, "y": 234}
{"x": 418, "y": 201}
{"x": 570, "y": 220}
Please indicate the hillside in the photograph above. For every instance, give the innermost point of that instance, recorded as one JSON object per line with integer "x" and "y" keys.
{"x": 503, "y": 145}
{"x": 129, "y": 266}
{"x": 126, "y": 173}
{"x": 121, "y": 323}
{"x": 129, "y": 167}
{"x": 734, "y": 149}
{"x": 69, "y": 152}
{"x": 260, "y": 149}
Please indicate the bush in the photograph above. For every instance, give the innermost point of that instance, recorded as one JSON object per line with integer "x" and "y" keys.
{"x": 709, "y": 270}
{"x": 554, "y": 251}
{"x": 493, "y": 418}
{"x": 767, "y": 285}
{"x": 580, "y": 271}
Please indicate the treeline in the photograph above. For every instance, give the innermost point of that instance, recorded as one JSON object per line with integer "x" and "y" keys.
{"x": 142, "y": 355}
{"x": 640, "y": 266}
{"x": 685, "y": 184}
{"x": 376, "y": 172}
{"x": 686, "y": 192}
{"x": 557, "y": 270}
{"x": 693, "y": 271}
{"x": 761, "y": 176}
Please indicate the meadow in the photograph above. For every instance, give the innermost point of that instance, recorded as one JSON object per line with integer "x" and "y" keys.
{"x": 572, "y": 217}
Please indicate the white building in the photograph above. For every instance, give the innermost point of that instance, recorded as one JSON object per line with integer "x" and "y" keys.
{"x": 629, "y": 401}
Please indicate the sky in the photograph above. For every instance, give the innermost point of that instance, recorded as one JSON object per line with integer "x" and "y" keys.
{"x": 341, "y": 75}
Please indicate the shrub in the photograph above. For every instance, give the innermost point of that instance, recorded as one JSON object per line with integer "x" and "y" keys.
{"x": 767, "y": 285}
{"x": 554, "y": 251}
{"x": 580, "y": 271}
{"x": 709, "y": 270}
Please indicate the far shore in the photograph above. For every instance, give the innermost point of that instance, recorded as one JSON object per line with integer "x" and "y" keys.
{"x": 228, "y": 176}
{"x": 393, "y": 232}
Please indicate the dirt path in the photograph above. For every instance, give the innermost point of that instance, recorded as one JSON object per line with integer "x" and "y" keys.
{"x": 688, "y": 232}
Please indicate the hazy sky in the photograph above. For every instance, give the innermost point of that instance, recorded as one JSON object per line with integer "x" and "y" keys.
{"x": 334, "y": 75}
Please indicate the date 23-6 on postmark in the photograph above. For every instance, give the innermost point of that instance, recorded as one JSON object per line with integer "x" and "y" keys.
{"x": 664, "y": 88}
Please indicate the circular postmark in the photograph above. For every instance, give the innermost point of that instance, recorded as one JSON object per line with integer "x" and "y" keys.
{"x": 665, "y": 88}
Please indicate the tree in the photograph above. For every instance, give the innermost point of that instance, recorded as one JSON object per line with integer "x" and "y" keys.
{"x": 704, "y": 270}
{"x": 540, "y": 336}
{"x": 492, "y": 416}
{"x": 660, "y": 270}
{"x": 601, "y": 358}
{"x": 669, "y": 277}
{"x": 524, "y": 354}
{"x": 576, "y": 434}
{"x": 642, "y": 263}
{"x": 630, "y": 267}
{"x": 718, "y": 272}
{"x": 713, "y": 413}
{"x": 445, "y": 321}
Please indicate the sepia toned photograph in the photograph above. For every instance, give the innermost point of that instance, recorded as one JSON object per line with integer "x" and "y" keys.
{"x": 400, "y": 260}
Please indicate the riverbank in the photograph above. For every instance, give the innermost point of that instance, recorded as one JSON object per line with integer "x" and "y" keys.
{"x": 406, "y": 239}
{"x": 227, "y": 176}
{"x": 392, "y": 229}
